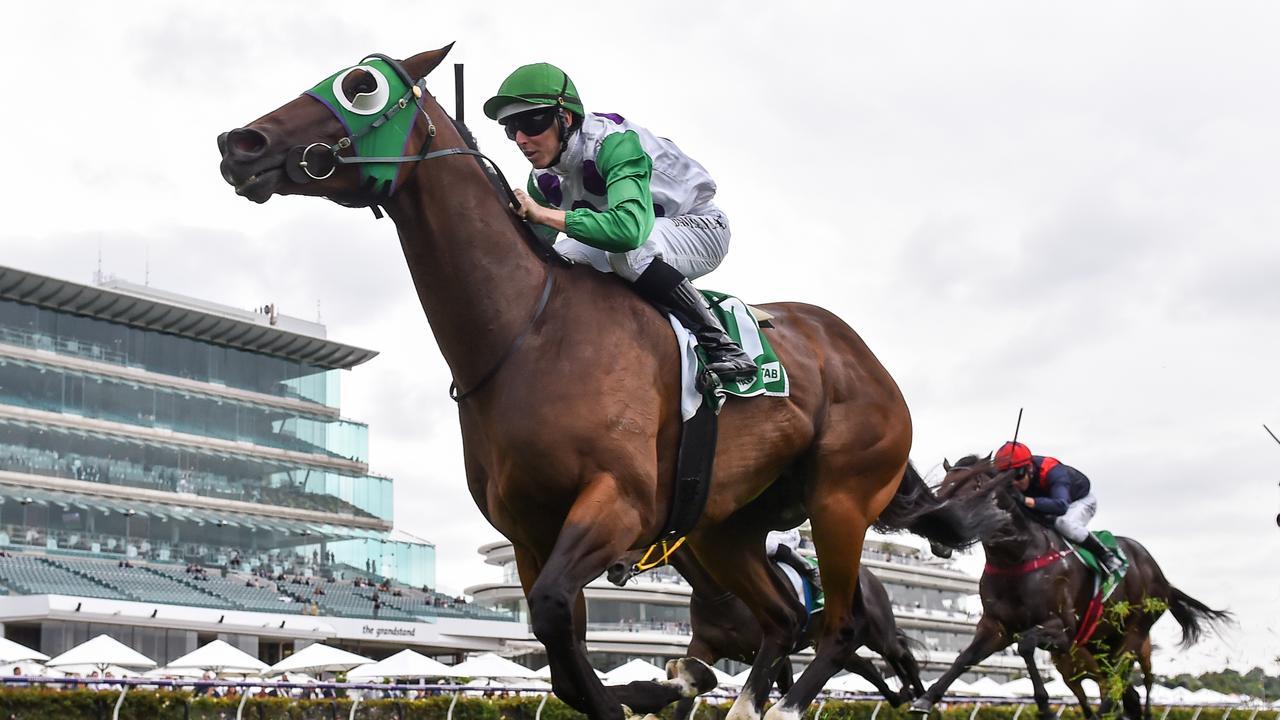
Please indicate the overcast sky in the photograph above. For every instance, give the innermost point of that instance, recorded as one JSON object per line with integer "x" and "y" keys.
{"x": 1065, "y": 207}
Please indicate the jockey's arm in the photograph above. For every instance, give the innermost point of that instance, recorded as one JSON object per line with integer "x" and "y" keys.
{"x": 545, "y": 224}
{"x": 1059, "y": 497}
{"x": 626, "y": 169}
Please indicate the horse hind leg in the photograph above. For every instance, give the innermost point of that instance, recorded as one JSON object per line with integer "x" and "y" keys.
{"x": 734, "y": 554}
{"x": 842, "y": 504}
{"x": 1148, "y": 679}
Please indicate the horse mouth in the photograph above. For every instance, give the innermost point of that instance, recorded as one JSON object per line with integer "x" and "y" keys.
{"x": 260, "y": 186}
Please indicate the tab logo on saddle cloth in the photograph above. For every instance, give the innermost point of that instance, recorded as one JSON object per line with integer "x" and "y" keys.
{"x": 742, "y": 326}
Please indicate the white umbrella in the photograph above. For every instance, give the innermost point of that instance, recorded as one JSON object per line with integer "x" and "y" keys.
{"x": 635, "y": 670}
{"x": 960, "y": 687}
{"x": 724, "y": 679}
{"x": 221, "y": 658}
{"x": 1205, "y": 696}
{"x": 986, "y": 687}
{"x": 404, "y": 664}
{"x": 1058, "y": 689}
{"x": 1022, "y": 687}
{"x": 491, "y": 666}
{"x": 319, "y": 658}
{"x": 99, "y": 653}
{"x": 29, "y": 668}
{"x": 12, "y": 652}
{"x": 850, "y": 683}
{"x": 544, "y": 673}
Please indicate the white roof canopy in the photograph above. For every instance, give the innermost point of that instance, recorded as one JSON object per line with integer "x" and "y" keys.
{"x": 404, "y": 664}
{"x": 491, "y": 666}
{"x": 12, "y": 652}
{"x": 319, "y": 658}
{"x": 635, "y": 670}
{"x": 219, "y": 657}
{"x": 101, "y": 652}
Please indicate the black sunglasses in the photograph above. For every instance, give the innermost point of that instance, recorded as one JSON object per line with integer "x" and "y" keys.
{"x": 532, "y": 123}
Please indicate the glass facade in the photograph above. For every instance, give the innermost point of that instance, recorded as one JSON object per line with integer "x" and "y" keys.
{"x": 104, "y": 341}
{"x": 348, "y": 512}
{"x": 53, "y": 389}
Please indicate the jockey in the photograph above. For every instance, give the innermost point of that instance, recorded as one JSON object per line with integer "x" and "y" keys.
{"x": 1060, "y": 491}
{"x": 780, "y": 546}
{"x": 630, "y": 202}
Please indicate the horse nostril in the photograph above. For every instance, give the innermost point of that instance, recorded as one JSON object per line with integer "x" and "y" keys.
{"x": 245, "y": 142}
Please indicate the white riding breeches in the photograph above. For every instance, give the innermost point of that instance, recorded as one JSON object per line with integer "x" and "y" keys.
{"x": 693, "y": 244}
{"x": 1072, "y": 524}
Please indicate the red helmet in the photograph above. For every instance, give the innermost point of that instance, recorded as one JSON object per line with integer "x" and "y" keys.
{"x": 1013, "y": 455}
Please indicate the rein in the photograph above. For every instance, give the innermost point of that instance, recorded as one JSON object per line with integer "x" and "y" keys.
{"x": 299, "y": 169}
{"x": 1029, "y": 566}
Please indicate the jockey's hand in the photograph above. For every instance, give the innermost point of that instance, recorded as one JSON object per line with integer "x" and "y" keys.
{"x": 530, "y": 210}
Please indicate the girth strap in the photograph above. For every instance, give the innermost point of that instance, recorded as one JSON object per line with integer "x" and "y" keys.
{"x": 1029, "y": 566}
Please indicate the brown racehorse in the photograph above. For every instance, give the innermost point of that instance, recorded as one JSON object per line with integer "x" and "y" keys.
{"x": 1035, "y": 592}
{"x": 571, "y": 421}
{"x": 723, "y": 627}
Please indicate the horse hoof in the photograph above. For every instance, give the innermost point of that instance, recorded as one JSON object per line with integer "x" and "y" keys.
{"x": 692, "y": 676}
{"x": 921, "y": 706}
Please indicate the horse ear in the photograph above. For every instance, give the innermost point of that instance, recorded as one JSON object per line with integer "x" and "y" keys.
{"x": 946, "y": 465}
{"x": 987, "y": 458}
{"x": 423, "y": 63}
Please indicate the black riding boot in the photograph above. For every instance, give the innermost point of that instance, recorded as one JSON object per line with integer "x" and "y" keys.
{"x": 670, "y": 291}
{"x": 1109, "y": 560}
{"x": 784, "y": 554}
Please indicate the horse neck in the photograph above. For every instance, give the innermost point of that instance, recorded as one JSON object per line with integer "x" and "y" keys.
{"x": 476, "y": 276}
{"x": 1019, "y": 540}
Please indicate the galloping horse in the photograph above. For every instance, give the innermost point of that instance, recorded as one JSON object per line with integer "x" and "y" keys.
{"x": 724, "y": 628}
{"x": 568, "y": 399}
{"x": 1035, "y": 592}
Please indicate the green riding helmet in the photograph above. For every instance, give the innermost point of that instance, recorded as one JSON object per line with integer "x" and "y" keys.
{"x": 530, "y": 86}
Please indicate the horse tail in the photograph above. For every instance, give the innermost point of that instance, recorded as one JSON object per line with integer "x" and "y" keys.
{"x": 955, "y": 523}
{"x": 1194, "y": 616}
{"x": 910, "y": 643}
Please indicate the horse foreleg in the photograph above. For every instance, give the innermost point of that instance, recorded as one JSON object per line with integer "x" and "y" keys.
{"x": 1027, "y": 645}
{"x": 734, "y": 554}
{"x": 988, "y": 638}
{"x": 585, "y": 546}
{"x": 698, "y": 648}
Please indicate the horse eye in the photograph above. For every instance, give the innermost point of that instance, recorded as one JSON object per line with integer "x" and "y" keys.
{"x": 358, "y": 83}
{"x": 362, "y": 90}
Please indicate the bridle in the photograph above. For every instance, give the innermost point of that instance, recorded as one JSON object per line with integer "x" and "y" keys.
{"x": 299, "y": 167}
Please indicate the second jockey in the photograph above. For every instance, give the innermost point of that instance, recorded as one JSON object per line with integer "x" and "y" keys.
{"x": 630, "y": 202}
{"x": 1059, "y": 491}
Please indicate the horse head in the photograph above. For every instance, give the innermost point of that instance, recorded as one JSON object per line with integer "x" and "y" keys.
{"x": 974, "y": 476}
{"x": 321, "y": 142}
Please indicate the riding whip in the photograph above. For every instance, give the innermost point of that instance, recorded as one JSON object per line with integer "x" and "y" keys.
{"x": 457, "y": 92}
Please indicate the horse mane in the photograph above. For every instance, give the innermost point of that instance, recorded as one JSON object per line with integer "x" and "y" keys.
{"x": 496, "y": 180}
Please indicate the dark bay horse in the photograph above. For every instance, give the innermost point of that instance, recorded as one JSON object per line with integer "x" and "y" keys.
{"x": 723, "y": 627}
{"x": 1035, "y": 592}
{"x": 569, "y": 405}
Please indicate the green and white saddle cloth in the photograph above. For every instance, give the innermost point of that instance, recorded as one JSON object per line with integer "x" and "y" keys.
{"x": 742, "y": 326}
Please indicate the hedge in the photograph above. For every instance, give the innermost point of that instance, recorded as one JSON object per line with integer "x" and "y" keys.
{"x": 48, "y": 704}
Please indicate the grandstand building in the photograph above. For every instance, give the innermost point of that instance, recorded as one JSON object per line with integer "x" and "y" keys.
{"x": 172, "y": 470}
{"x": 934, "y": 603}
